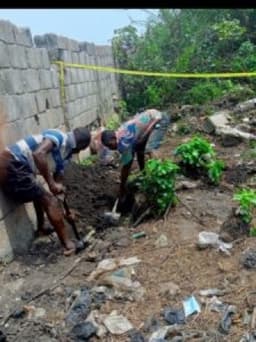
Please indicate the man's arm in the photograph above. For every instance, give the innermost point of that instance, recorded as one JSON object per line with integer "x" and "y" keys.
{"x": 39, "y": 156}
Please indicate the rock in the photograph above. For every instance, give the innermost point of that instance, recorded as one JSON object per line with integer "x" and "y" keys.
{"x": 249, "y": 259}
{"x": 218, "y": 119}
{"x": 228, "y": 140}
{"x": 83, "y": 331}
{"x": 244, "y": 106}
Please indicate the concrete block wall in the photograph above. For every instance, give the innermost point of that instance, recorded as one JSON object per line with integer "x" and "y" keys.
{"x": 88, "y": 92}
{"x": 30, "y": 102}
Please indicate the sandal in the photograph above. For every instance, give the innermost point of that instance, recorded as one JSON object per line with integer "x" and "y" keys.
{"x": 80, "y": 245}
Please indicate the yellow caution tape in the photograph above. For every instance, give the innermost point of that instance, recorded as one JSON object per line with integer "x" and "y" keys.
{"x": 157, "y": 74}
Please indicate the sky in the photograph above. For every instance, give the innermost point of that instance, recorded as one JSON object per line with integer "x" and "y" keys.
{"x": 90, "y": 25}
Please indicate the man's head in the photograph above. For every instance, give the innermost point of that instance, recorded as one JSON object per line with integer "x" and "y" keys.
{"x": 82, "y": 137}
{"x": 108, "y": 138}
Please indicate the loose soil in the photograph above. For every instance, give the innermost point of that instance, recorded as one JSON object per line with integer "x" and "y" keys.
{"x": 92, "y": 191}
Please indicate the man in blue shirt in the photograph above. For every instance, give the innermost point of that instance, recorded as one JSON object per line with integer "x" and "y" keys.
{"x": 132, "y": 137}
{"x": 45, "y": 154}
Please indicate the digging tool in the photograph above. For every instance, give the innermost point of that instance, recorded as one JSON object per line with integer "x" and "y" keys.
{"x": 112, "y": 216}
{"x": 70, "y": 220}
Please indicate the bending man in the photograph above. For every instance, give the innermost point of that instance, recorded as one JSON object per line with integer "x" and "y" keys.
{"x": 132, "y": 137}
{"x": 45, "y": 154}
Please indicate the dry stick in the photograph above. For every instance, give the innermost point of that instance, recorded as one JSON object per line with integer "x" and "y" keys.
{"x": 191, "y": 212}
{"x": 49, "y": 288}
{"x": 141, "y": 217}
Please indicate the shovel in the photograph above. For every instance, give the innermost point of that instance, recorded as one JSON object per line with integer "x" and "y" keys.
{"x": 112, "y": 217}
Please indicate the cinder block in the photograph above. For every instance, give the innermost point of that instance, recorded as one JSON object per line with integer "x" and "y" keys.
{"x": 16, "y": 232}
{"x": 55, "y": 75}
{"x": 23, "y": 36}
{"x": 6, "y": 31}
{"x": 30, "y": 126}
{"x": 75, "y": 57}
{"x": 49, "y": 40}
{"x": 27, "y": 105}
{"x": 10, "y": 107}
{"x": 45, "y": 61}
{"x": 56, "y": 117}
{"x": 45, "y": 79}
{"x": 55, "y": 98}
{"x": 33, "y": 58}
{"x": 67, "y": 76}
{"x": 31, "y": 80}
{"x": 71, "y": 92}
{"x": 12, "y": 132}
{"x": 4, "y": 55}
{"x": 13, "y": 81}
{"x": 17, "y": 56}
{"x": 43, "y": 100}
{"x": 65, "y": 55}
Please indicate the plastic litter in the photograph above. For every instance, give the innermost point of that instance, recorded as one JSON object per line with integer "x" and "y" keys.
{"x": 191, "y": 306}
{"x": 173, "y": 316}
{"x": 111, "y": 264}
{"x": 138, "y": 235}
{"x": 80, "y": 308}
{"x": 117, "y": 324}
{"x": 226, "y": 321}
{"x": 210, "y": 239}
{"x": 212, "y": 292}
{"x": 216, "y": 305}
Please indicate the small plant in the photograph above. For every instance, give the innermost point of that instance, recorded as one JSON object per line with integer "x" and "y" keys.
{"x": 199, "y": 154}
{"x": 215, "y": 170}
{"x": 89, "y": 160}
{"x": 157, "y": 181}
{"x": 247, "y": 202}
{"x": 196, "y": 152}
{"x": 252, "y": 232}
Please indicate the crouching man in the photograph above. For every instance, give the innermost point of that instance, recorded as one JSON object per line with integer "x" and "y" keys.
{"x": 46, "y": 154}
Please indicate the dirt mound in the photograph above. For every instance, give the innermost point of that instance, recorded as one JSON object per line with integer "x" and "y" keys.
{"x": 90, "y": 191}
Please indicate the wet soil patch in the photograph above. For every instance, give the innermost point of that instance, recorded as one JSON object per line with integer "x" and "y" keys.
{"x": 91, "y": 190}
{"x": 240, "y": 173}
{"x": 233, "y": 227}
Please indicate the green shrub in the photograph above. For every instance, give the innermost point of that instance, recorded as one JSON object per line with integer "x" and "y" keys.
{"x": 215, "y": 170}
{"x": 247, "y": 202}
{"x": 157, "y": 182}
{"x": 198, "y": 153}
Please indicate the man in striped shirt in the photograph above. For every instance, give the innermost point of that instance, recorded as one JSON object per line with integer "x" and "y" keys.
{"x": 46, "y": 154}
{"x": 132, "y": 137}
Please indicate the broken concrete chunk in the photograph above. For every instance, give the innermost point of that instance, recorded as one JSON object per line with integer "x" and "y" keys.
{"x": 219, "y": 119}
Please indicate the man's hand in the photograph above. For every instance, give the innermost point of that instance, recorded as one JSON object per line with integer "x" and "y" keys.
{"x": 56, "y": 188}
